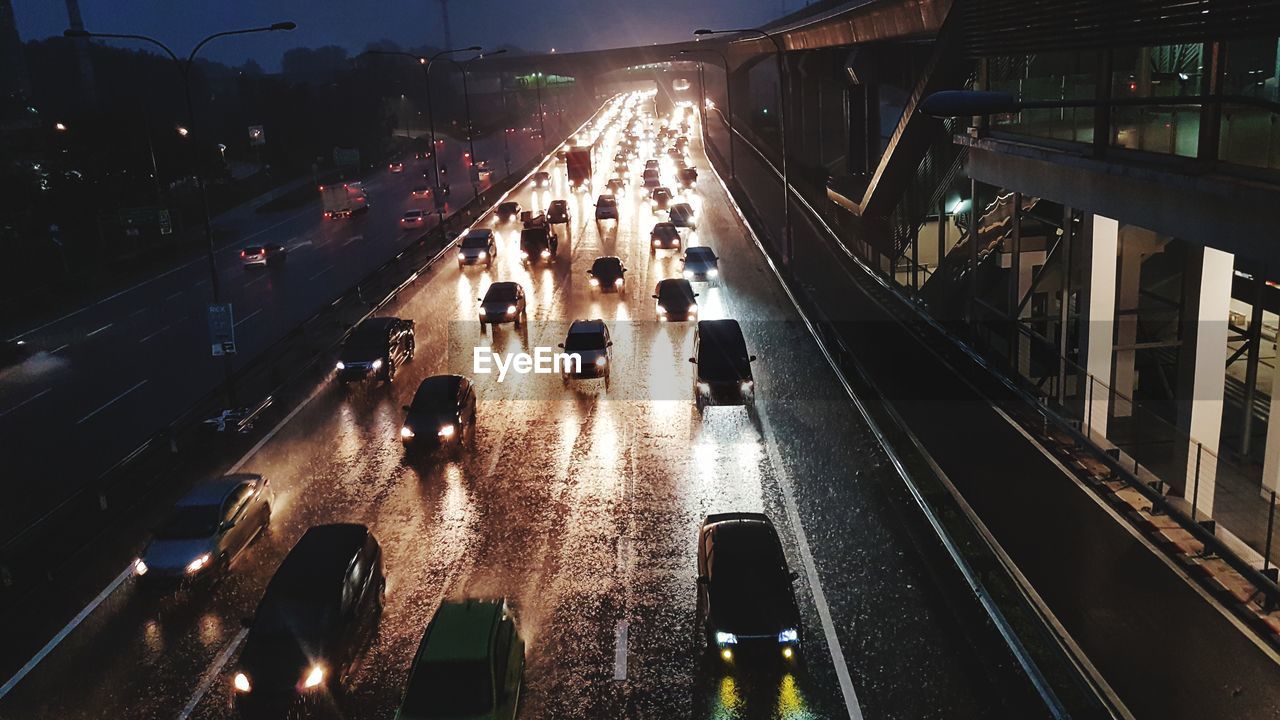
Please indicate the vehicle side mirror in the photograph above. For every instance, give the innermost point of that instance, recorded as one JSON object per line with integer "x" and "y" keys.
{"x": 655, "y": 297}
{"x": 693, "y": 360}
{"x": 609, "y": 344}
{"x": 793, "y": 575}
{"x": 560, "y": 345}
{"x": 751, "y": 359}
{"x": 404, "y": 408}
{"x": 246, "y": 622}
{"x": 695, "y": 294}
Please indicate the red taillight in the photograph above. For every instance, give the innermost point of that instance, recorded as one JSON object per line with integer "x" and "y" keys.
{"x": 242, "y": 253}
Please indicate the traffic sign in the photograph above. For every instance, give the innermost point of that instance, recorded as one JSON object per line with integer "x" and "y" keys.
{"x": 222, "y": 330}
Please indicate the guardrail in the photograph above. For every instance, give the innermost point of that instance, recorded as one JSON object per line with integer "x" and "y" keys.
{"x": 37, "y": 553}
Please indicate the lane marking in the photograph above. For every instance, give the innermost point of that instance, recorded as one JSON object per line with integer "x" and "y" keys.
{"x": 166, "y": 327}
{"x": 206, "y": 680}
{"x": 60, "y": 348}
{"x": 110, "y": 402}
{"x": 173, "y": 295}
{"x": 313, "y": 277}
{"x": 351, "y": 240}
{"x": 255, "y": 281}
{"x": 95, "y": 332}
{"x": 139, "y": 311}
{"x": 12, "y": 682}
{"x": 24, "y": 402}
{"x": 248, "y": 317}
{"x": 620, "y": 651}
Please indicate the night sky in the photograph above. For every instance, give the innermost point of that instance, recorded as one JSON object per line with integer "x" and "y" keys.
{"x": 532, "y": 24}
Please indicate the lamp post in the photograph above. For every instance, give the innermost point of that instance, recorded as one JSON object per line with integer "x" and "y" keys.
{"x": 728, "y": 102}
{"x": 788, "y": 245}
{"x": 506, "y": 131}
{"x": 465, "y": 66}
{"x": 184, "y": 73}
{"x": 542, "y": 126}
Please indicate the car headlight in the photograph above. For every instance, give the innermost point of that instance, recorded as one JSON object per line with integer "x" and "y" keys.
{"x": 462, "y": 256}
{"x": 661, "y": 310}
{"x": 140, "y": 567}
{"x": 724, "y": 638}
{"x": 617, "y": 282}
{"x": 446, "y": 431}
{"x": 377, "y": 365}
{"x": 593, "y": 282}
{"x": 198, "y": 564}
{"x": 524, "y": 254}
{"x": 693, "y": 308}
{"x": 405, "y": 432}
{"x": 511, "y": 309}
{"x": 657, "y": 242}
{"x": 241, "y": 683}
{"x": 546, "y": 254}
{"x": 713, "y": 273}
{"x": 314, "y": 677}
{"x": 747, "y": 385}
{"x": 600, "y": 361}
{"x": 340, "y": 365}
{"x": 704, "y": 387}
{"x": 482, "y": 310}
{"x": 482, "y": 255}
{"x": 688, "y": 273}
{"x": 789, "y": 635}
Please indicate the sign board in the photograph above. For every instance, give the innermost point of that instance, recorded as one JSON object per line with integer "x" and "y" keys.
{"x": 346, "y": 156}
{"x": 222, "y": 330}
{"x": 257, "y": 137}
{"x": 166, "y": 222}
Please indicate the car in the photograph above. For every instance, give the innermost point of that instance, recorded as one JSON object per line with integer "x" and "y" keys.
{"x": 503, "y": 302}
{"x": 14, "y": 353}
{"x": 263, "y": 255}
{"x": 470, "y": 664}
{"x": 420, "y": 192}
{"x": 651, "y": 164}
{"x": 660, "y": 198}
{"x": 441, "y": 415}
{"x": 396, "y": 167}
{"x": 477, "y": 247}
{"x": 746, "y": 606}
{"x": 317, "y": 617}
{"x": 722, "y": 373}
{"x": 561, "y": 154}
{"x": 541, "y": 179}
{"x": 607, "y": 274}
{"x": 616, "y": 187}
{"x": 664, "y": 236}
{"x": 589, "y": 340}
{"x": 377, "y": 347}
{"x": 558, "y": 211}
{"x": 507, "y": 211}
{"x": 687, "y": 176}
{"x": 606, "y": 208}
{"x": 675, "y": 298}
{"x": 674, "y": 153}
{"x": 682, "y": 142}
{"x": 682, "y": 216}
{"x": 650, "y": 184}
{"x": 206, "y": 531}
{"x": 620, "y": 158}
{"x": 701, "y": 265}
{"x": 413, "y": 219}
{"x": 538, "y": 243}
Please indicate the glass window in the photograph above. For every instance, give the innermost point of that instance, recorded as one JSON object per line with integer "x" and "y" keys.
{"x": 1047, "y": 76}
{"x": 1250, "y": 133}
{"x": 1163, "y": 73}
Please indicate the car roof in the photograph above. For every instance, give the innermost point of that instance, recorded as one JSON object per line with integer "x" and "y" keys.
{"x": 438, "y": 387}
{"x": 664, "y": 226}
{"x": 699, "y": 251}
{"x": 214, "y": 491}
{"x": 322, "y": 555}
{"x": 480, "y": 233}
{"x": 607, "y": 260}
{"x": 462, "y": 631}
{"x": 669, "y": 282}
{"x": 559, "y": 202}
{"x": 724, "y": 331}
{"x": 375, "y": 326}
{"x": 595, "y": 325}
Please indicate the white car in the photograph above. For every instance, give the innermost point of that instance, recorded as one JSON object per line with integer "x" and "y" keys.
{"x": 413, "y": 219}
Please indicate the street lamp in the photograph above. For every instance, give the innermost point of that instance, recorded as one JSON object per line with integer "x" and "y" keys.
{"x": 788, "y": 245}
{"x": 184, "y": 73}
{"x": 728, "y": 101}
{"x": 465, "y": 65}
{"x": 542, "y": 125}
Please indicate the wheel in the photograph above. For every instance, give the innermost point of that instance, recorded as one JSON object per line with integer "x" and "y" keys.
{"x": 481, "y": 327}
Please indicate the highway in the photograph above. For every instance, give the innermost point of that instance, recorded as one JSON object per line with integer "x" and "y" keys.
{"x": 113, "y": 373}
{"x": 580, "y": 505}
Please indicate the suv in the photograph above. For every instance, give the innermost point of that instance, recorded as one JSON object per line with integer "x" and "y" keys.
{"x": 723, "y": 372}
{"x": 558, "y": 211}
{"x": 507, "y": 211}
{"x": 745, "y": 600}
{"x": 502, "y": 302}
{"x": 376, "y": 347}
{"x": 589, "y": 340}
{"x": 617, "y": 187}
{"x": 606, "y": 208}
{"x": 442, "y": 414}
{"x": 319, "y": 613}
{"x": 476, "y": 247}
{"x": 469, "y": 664}
{"x": 538, "y": 242}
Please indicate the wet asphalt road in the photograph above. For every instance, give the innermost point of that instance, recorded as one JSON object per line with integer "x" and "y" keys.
{"x": 580, "y": 505}
{"x": 118, "y": 371}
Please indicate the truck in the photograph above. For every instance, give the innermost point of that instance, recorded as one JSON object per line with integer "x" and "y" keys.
{"x": 578, "y": 163}
{"x": 343, "y": 200}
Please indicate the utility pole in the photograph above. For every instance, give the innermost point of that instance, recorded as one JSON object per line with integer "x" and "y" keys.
{"x": 84, "y": 67}
{"x": 444, "y": 19}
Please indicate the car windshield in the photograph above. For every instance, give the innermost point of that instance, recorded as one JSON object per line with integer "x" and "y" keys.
{"x": 508, "y": 207}
{"x": 607, "y": 202}
{"x": 650, "y": 173}
{"x": 367, "y": 338}
{"x": 189, "y": 522}
{"x": 723, "y": 358}
{"x": 500, "y": 293}
{"x": 302, "y": 617}
{"x": 606, "y": 266}
{"x": 665, "y": 231}
{"x": 475, "y": 241}
{"x": 674, "y": 293}
{"x": 413, "y": 214}
{"x": 253, "y": 250}
{"x": 699, "y": 254}
{"x": 449, "y": 690}
{"x": 583, "y": 341}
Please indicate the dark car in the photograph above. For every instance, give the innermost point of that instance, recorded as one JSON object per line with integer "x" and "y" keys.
{"x": 538, "y": 242}
{"x": 651, "y": 164}
{"x": 688, "y": 177}
{"x": 660, "y": 198}
{"x": 541, "y": 179}
{"x": 442, "y": 414}
{"x": 675, "y": 298}
{"x": 607, "y": 274}
{"x": 723, "y": 367}
{"x": 376, "y": 348}
{"x": 503, "y": 302}
{"x": 589, "y": 340}
{"x": 207, "y": 530}
{"x": 616, "y": 187}
{"x": 701, "y": 264}
{"x": 682, "y": 216}
{"x": 558, "y": 211}
{"x": 746, "y": 605}
{"x": 14, "y": 353}
{"x": 263, "y": 255}
{"x": 664, "y": 236}
{"x": 318, "y": 615}
{"x": 476, "y": 247}
{"x": 606, "y": 208}
{"x": 507, "y": 211}
{"x": 470, "y": 664}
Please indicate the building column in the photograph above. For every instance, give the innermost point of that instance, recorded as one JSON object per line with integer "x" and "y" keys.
{"x": 1136, "y": 246}
{"x": 1098, "y": 311}
{"x": 1271, "y": 457}
{"x": 1202, "y": 362}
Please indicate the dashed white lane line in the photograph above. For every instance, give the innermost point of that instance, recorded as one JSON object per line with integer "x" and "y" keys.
{"x": 171, "y": 296}
{"x": 157, "y": 332}
{"x": 12, "y": 682}
{"x": 313, "y": 277}
{"x": 95, "y": 332}
{"x": 351, "y": 240}
{"x": 24, "y": 402}
{"x": 248, "y": 317}
{"x": 110, "y": 402}
{"x": 620, "y": 651}
{"x": 60, "y": 348}
{"x": 206, "y": 680}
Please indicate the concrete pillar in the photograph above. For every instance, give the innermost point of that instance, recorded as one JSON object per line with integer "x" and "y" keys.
{"x": 1136, "y": 246}
{"x": 1202, "y": 363}
{"x": 1098, "y": 311}
{"x": 1271, "y": 457}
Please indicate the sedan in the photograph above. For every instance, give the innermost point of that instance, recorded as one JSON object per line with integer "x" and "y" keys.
{"x": 477, "y": 247}
{"x": 262, "y": 255}
{"x": 207, "y": 530}
{"x": 682, "y": 216}
{"x": 507, "y": 211}
{"x": 503, "y": 302}
{"x": 396, "y": 167}
{"x": 701, "y": 265}
{"x": 660, "y": 198}
{"x": 675, "y": 298}
{"x": 664, "y": 236}
{"x": 442, "y": 414}
{"x": 413, "y": 219}
{"x": 421, "y": 192}
{"x": 606, "y": 274}
{"x": 542, "y": 179}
